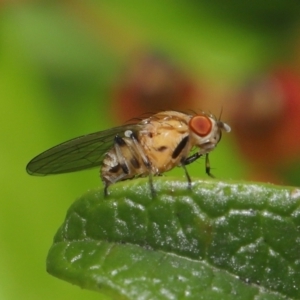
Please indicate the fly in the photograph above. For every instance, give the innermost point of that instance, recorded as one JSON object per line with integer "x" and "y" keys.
{"x": 150, "y": 147}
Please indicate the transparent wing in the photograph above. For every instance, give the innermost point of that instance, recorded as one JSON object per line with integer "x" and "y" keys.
{"x": 84, "y": 152}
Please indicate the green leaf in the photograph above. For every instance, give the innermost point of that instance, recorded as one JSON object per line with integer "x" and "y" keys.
{"x": 219, "y": 240}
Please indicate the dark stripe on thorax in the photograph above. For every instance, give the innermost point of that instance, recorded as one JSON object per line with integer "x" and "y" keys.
{"x": 180, "y": 147}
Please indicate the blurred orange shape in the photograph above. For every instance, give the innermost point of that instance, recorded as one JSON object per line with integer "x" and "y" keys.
{"x": 266, "y": 118}
{"x": 151, "y": 84}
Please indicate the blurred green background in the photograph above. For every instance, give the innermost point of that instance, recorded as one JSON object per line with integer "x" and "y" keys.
{"x": 63, "y": 72}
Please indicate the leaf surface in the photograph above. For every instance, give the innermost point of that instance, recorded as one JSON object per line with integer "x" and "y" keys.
{"x": 219, "y": 240}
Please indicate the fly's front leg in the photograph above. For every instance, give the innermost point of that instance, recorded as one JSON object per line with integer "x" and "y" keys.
{"x": 192, "y": 158}
{"x": 187, "y": 161}
{"x": 197, "y": 155}
{"x": 207, "y": 166}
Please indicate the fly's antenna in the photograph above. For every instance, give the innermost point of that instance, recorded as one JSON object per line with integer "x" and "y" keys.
{"x": 192, "y": 111}
{"x": 221, "y": 124}
{"x": 220, "y": 115}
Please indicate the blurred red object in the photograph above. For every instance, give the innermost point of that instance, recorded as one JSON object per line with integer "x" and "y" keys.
{"x": 265, "y": 120}
{"x": 150, "y": 84}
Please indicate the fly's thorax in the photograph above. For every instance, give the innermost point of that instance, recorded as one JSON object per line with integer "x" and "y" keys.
{"x": 165, "y": 140}
{"x": 171, "y": 118}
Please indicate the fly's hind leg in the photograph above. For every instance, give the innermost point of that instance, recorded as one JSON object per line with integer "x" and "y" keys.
{"x": 106, "y": 184}
{"x": 119, "y": 143}
{"x": 141, "y": 153}
{"x": 153, "y": 192}
{"x": 105, "y": 190}
{"x": 120, "y": 163}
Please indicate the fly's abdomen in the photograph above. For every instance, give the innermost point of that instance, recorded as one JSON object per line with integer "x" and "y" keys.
{"x": 122, "y": 162}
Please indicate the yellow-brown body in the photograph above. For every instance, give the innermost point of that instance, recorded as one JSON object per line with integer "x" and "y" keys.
{"x": 150, "y": 147}
{"x": 158, "y": 136}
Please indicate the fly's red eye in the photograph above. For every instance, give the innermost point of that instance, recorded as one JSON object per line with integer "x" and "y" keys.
{"x": 201, "y": 125}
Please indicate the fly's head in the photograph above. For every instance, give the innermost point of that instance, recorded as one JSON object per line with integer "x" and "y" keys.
{"x": 206, "y": 131}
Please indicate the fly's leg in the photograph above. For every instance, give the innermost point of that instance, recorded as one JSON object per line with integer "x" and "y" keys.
{"x": 187, "y": 175}
{"x": 153, "y": 192}
{"x": 186, "y": 162}
{"x": 105, "y": 190}
{"x": 192, "y": 158}
{"x": 140, "y": 151}
{"x": 207, "y": 166}
{"x": 118, "y": 144}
